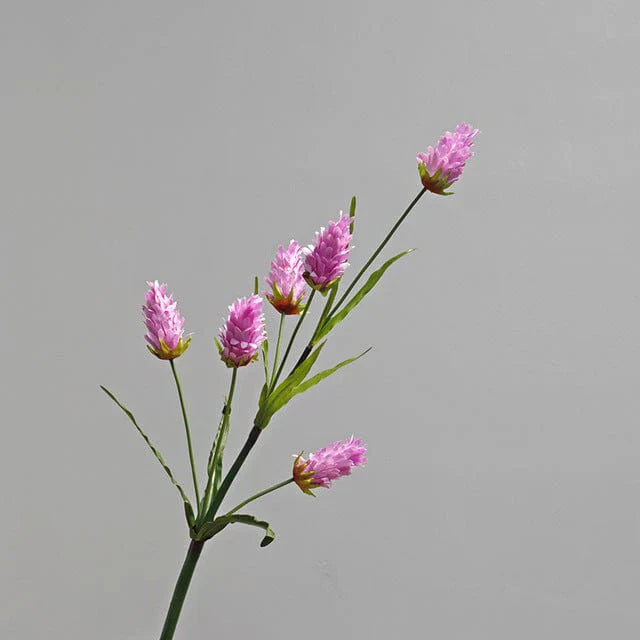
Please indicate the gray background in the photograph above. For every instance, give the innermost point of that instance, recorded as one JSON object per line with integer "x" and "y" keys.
{"x": 184, "y": 142}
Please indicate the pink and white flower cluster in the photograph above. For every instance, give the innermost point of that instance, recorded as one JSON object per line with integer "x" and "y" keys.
{"x": 243, "y": 332}
{"x": 328, "y": 464}
{"x": 165, "y": 325}
{"x": 286, "y": 280}
{"x": 443, "y": 164}
{"x": 326, "y": 260}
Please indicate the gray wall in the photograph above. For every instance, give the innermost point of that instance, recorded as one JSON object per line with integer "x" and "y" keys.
{"x": 184, "y": 141}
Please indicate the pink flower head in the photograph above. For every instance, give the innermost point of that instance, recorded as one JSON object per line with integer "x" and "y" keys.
{"x": 286, "y": 280}
{"x": 243, "y": 332}
{"x": 439, "y": 168}
{"x": 165, "y": 325}
{"x": 326, "y": 261}
{"x": 329, "y": 463}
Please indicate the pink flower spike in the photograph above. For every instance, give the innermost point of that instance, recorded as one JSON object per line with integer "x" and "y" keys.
{"x": 286, "y": 281}
{"x": 165, "y": 325}
{"x": 326, "y": 261}
{"x": 329, "y": 463}
{"x": 243, "y": 332}
{"x": 439, "y": 168}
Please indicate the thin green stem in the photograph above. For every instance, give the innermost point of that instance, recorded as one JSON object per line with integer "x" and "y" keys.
{"x": 275, "y": 360}
{"x": 186, "y": 427}
{"x": 259, "y": 495}
{"x": 293, "y": 337}
{"x": 378, "y": 250}
{"x": 325, "y": 314}
{"x": 180, "y": 591}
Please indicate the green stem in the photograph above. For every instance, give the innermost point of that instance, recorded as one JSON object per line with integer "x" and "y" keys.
{"x": 293, "y": 337}
{"x": 180, "y": 591}
{"x": 275, "y": 361}
{"x": 259, "y": 495}
{"x": 186, "y": 427}
{"x": 378, "y": 250}
{"x": 325, "y": 314}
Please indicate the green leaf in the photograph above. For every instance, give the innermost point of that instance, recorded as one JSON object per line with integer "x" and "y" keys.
{"x": 357, "y": 298}
{"x": 187, "y": 505}
{"x": 352, "y": 212}
{"x": 282, "y": 393}
{"x": 312, "y": 382}
{"x": 221, "y": 442}
{"x": 256, "y": 285}
{"x": 210, "y": 529}
{"x": 213, "y": 476}
{"x": 265, "y": 359}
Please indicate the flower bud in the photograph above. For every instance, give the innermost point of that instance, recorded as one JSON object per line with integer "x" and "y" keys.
{"x": 441, "y": 166}
{"x": 329, "y": 463}
{"x": 165, "y": 325}
{"x": 286, "y": 280}
{"x": 326, "y": 260}
{"x": 243, "y": 332}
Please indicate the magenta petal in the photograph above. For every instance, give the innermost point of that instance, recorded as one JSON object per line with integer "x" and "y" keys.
{"x": 243, "y": 332}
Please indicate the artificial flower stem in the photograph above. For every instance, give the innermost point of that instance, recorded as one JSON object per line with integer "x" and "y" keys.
{"x": 325, "y": 314}
{"x": 275, "y": 361}
{"x": 186, "y": 427}
{"x": 378, "y": 250}
{"x": 180, "y": 591}
{"x": 293, "y": 337}
{"x": 284, "y": 483}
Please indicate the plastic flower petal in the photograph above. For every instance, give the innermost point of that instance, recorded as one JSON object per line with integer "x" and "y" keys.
{"x": 286, "y": 281}
{"x": 326, "y": 260}
{"x": 328, "y": 464}
{"x": 243, "y": 332}
{"x": 165, "y": 325}
{"x": 441, "y": 166}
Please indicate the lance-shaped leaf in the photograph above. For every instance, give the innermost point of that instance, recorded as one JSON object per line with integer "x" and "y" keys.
{"x": 210, "y": 529}
{"x": 214, "y": 471}
{"x": 305, "y": 385}
{"x": 187, "y": 505}
{"x": 371, "y": 282}
{"x": 352, "y": 213}
{"x": 313, "y": 381}
{"x": 265, "y": 359}
{"x": 280, "y": 395}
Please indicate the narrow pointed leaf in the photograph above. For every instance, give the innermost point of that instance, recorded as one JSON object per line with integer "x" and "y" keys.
{"x": 210, "y": 529}
{"x": 265, "y": 359}
{"x": 213, "y": 474}
{"x": 357, "y": 298}
{"x": 252, "y": 521}
{"x": 221, "y": 442}
{"x": 352, "y": 212}
{"x": 312, "y": 382}
{"x": 281, "y": 395}
{"x": 187, "y": 505}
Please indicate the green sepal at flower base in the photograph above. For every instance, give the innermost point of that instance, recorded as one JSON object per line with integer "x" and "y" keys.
{"x": 323, "y": 289}
{"x": 437, "y": 183}
{"x": 166, "y": 353}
